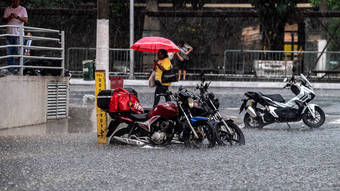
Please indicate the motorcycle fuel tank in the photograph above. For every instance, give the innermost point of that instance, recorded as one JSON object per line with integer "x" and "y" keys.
{"x": 167, "y": 110}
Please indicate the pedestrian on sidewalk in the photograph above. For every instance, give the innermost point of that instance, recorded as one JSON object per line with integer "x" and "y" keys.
{"x": 15, "y": 14}
{"x": 184, "y": 59}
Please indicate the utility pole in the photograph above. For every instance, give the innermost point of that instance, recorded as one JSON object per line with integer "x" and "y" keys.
{"x": 103, "y": 38}
{"x": 132, "y": 25}
{"x": 102, "y": 64}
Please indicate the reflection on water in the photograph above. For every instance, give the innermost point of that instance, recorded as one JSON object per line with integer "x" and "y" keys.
{"x": 82, "y": 119}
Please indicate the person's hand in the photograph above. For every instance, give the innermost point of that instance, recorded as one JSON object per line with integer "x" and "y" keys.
{"x": 181, "y": 58}
{"x": 13, "y": 15}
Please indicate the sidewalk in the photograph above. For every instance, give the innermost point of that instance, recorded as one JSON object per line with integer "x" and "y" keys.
{"x": 215, "y": 84}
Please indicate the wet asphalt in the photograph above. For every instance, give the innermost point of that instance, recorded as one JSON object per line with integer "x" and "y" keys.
{"x": 64, "y": 155}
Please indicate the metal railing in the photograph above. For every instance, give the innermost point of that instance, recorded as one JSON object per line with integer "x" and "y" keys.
{"x": 279, "y": 63}
{"x": 119, "y": 59}
{"x": 59, "y": 47}
{"x": 237, "y": 63}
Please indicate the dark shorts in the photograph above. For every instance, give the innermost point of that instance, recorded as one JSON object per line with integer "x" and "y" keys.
{"x": 182, "y": 65}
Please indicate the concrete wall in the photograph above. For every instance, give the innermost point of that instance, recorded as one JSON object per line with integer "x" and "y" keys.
{"x": 23, "y": 100}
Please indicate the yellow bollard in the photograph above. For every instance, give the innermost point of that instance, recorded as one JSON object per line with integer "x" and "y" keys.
{"x": 101, "y": 115}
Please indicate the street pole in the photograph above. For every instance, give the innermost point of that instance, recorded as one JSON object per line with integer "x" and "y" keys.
{"x": 102, "y": 47}
{"x": 132, "y": 25}
{"x": 102, "y": 64}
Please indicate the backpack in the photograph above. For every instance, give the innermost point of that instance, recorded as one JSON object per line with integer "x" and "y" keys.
{"x": 124, "y": 101}
{"x": 119, "y": 100}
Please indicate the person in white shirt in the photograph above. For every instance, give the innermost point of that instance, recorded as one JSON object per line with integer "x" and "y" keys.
{"x": 15, "y": 14}
{"x": 184, "y": 59}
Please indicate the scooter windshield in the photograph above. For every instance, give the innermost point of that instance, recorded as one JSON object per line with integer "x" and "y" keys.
{"x": 306, "y": 82}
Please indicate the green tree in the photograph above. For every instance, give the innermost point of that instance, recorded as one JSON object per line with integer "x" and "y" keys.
{"x": 273, "y": 16}
{"x": 333, "y": 24}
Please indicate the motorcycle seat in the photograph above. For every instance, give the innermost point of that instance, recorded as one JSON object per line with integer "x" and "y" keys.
{"x": 275, "y": 97}
{"x": 139, "y": 117}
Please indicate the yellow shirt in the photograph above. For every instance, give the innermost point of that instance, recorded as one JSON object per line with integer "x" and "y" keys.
{"x": 166, "y": 65}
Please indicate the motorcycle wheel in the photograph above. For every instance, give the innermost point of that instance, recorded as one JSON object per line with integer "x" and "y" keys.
{"x": 206, "y": 135}
{"x": 250, "y": 122}
{"x": 319, "y": 118}
{"x": 236, "y": 137}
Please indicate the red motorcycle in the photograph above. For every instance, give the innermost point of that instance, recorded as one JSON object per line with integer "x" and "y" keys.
{"x": 157, "y": 126}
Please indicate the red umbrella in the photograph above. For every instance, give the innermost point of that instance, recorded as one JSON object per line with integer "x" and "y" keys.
{"x": 153, "y": 44}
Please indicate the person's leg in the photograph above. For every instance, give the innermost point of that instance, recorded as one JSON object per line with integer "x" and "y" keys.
{"x": 179, "y": 74}
{"x": 185, "y": 65}
{"x": 167, "y": 98}
{"x": 156, "y": 98}
{"x": 11, "y": 51}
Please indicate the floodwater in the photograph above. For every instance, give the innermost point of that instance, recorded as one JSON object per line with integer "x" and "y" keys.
{"x": 64, "y": 155}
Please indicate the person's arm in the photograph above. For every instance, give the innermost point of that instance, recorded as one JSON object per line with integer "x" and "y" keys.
{"x": 180, "y": 57}
{"x": 190, "y": 50}
{"x": 22, "y": 19}
{"x": 7, "y": 17}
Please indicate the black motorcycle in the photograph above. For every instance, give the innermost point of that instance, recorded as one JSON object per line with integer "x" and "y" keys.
{"x": 196, "y": 129}
{"x": 207, "y": 105}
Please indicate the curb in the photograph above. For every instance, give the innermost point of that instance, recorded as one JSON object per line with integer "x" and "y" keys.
{"x": 216, "y": 84}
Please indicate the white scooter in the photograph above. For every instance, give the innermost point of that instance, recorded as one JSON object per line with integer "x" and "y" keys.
{"x": 274, "y": 109}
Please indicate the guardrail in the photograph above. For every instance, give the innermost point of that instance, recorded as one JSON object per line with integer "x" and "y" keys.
{"x": 279, "y": 63}
{"x": 59, "y": 47}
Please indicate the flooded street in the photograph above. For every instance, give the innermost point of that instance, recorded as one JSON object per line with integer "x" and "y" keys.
{"x": 64, "y": 155}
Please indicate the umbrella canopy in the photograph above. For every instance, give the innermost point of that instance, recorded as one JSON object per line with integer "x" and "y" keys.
{"x": 153, "y": 44}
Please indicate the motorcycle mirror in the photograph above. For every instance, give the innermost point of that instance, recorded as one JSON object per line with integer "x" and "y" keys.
{"x": 180, "y": 88}
{"x": 294, "y": 69}
{"x": 202, "y": 77}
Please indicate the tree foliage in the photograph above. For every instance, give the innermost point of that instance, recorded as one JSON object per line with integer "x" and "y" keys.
{"x": 333, "y": 24}
{"x": 331, "y": 4}
{"x": 273, "y": 16}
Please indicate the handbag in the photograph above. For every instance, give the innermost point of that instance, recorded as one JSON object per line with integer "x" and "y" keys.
{"x": 169, "y": 76}
{"x": 152, "y": 79}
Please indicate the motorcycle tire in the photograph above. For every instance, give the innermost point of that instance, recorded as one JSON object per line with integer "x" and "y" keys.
{"x": 319, "y": 118}
{"x": 247, "y": 122}
{"x": 206, "y": 135}
{"x": 236, "y": 137}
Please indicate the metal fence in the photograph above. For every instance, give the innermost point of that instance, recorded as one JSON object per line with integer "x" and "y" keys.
{"x": 279, "y": 63}
{"x": 237, "y": 63}
{"x": 119, "y": 59}
{"x": 49, "y": 45}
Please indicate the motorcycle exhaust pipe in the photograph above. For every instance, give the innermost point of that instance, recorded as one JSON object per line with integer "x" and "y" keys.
{"x": 129, "y": 141}
{"x": 251, "y": 111}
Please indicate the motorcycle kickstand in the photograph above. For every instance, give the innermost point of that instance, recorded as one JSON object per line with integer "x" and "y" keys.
{"x": 288, "y": 125}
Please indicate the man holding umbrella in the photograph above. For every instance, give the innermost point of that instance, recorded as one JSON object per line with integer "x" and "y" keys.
{"x": 161, "y": 65}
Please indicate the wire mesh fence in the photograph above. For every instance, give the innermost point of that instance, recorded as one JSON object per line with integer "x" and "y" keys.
{"x": 235, "y": 63}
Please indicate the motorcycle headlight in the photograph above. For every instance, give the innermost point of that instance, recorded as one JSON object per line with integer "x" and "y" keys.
{"x": 190, "y": 102}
